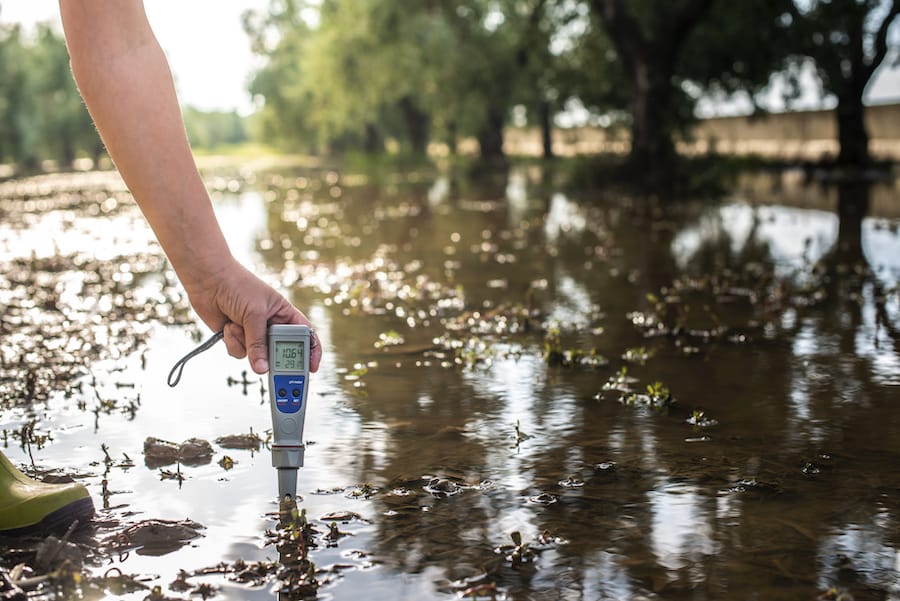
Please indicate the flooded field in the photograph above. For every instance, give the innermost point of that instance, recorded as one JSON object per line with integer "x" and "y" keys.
{"x": 525, "y": 393}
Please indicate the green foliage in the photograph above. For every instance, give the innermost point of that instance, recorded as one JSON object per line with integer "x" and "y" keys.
{"x": 394, "y": 75}
{"x": 214, "y": 129}
{"x": 41, "y": 112}
{"x": 846, "y": 40}
{"x": 657, "y": 397}
{"x": 556, "y": 356}
{"x": 389, "y": 75}
{"x": 592, "y": 70}
{"x": 738, "y": 46}
{"x": 664, "y": 56}
{"x": 280, "y": 36}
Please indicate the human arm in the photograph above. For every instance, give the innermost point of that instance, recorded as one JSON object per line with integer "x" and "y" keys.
{"x": 126, "y": 83}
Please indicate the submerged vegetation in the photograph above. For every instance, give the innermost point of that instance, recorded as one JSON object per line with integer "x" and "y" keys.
{"x": 583, "y": 366}
{"x": 534, "y": 385}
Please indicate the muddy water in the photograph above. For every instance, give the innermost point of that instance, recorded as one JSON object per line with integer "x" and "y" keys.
{"x": 526, "y": 392}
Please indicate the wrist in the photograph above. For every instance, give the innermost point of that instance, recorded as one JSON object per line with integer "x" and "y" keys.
{"x": 205, "y": 274}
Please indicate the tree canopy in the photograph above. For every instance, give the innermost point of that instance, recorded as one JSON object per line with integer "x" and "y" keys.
{"x": 376, "y": 70}
{"x": 387, "y": 75}
{"x": 847, "y": 41}
{"x": 41, "y": 113}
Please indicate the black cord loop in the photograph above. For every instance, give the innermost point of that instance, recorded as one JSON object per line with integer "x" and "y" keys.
{"x": 178, "y": 368}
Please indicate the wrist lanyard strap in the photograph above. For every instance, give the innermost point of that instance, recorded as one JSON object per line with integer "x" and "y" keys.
{"x": 175, "y": 374}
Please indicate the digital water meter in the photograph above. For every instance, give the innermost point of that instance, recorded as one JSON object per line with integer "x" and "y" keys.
{"x": 289, "y": 347}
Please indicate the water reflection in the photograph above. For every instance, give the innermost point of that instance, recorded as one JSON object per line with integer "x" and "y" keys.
{"x": 667, "y": 533}
{"x": 436, "y": 420}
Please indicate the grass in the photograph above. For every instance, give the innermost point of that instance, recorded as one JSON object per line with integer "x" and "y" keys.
{"x": 251, "y": 154}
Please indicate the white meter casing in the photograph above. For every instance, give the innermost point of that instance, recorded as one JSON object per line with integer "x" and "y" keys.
{"x": 289, "y": 347}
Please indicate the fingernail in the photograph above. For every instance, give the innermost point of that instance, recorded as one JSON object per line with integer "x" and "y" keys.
{"x": 260, "y": 366}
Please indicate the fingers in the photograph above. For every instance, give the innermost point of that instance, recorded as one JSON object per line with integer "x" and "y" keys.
{"x": 237, "y": 346}
{"x": 315, "y": 352}
{"x": 235, "y": 343}
{"x": 247, "y": 306}
{"x": 287, "y": 313}
{"x": 257, "y": 344}
{"x": 234, "y": 340}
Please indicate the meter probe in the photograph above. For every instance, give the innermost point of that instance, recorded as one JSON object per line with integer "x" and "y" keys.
{"x": 289, "y": 351}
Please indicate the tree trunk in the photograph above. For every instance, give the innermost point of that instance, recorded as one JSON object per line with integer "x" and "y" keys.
{"x": 490, "y": 136}
{"x": 547, "y": 129}
{"x": 97, "y": 153}
{"x": 853, "y": 205}
{"x": 849, "y": 67}
{"x": 67, "y": 152}
{"x": 652, "y": 150}
{"x": 649, "y": 55}
{"x": 417, "y": 125}
{"x": 852, "y": 136}
{"x": 452, "y": 137}
{"x": 372, "y": 141}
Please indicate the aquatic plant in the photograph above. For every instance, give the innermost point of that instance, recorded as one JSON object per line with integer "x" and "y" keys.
{"x": 363, "y": 491}
{"x": 638, "y": 355}
{"x": 518, "y": 553}
{"x": 557, "y": 356}
{"x": 620, "y": 381}
{"x": 470, "y": 352}
{"x": 165, "y": 474}
{"x": 520, "y": 436}
{"x": 699, "y": 419}
{"x": 243, "y": 382}
{"x": 389, "y": 338}
{"x": 293, "y": 538}
{"x": 657, "y": 396}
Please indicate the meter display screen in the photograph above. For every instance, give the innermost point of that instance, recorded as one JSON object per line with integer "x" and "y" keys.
{"x": 289, "y": 355}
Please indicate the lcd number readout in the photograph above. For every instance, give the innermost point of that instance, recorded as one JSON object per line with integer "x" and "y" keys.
{"x": 289, "y": 355}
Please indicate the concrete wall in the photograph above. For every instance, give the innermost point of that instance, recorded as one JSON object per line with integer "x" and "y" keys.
{"x": 807, "y": 134}
{"x": 798, "y": 135}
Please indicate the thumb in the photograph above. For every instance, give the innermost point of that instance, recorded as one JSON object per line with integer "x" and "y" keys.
{"x": 257, "y": 345}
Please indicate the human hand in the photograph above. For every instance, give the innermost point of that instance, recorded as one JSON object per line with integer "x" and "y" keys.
{"x": 125, "y": 80}
{"x": 242, "y": 305}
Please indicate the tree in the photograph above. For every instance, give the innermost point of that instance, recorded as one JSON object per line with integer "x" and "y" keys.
{"x": 375, "y": 70}
{"x": 542, "y": 87}
{"x": 648, "y": 39}
{"x": 279, "y": 36}
{"x": 41, "y": 113}
{"x": 16, "y": 145}
{"x": 64, "y": 126}
{"x": 484, "y": 71}
{"x": 361, "y": 75}
{"x": 211, "y": 129}
{"x": 654, "y": 62}
{"x": 847, "y": 40}
{"x": 736, "y": 49}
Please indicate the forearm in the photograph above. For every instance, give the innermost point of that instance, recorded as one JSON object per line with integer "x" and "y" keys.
{"x": 125, "y": 80}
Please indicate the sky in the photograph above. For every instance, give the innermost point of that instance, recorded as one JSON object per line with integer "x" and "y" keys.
{"x": 211, "y": 61}
{"x": 207, "y": 49}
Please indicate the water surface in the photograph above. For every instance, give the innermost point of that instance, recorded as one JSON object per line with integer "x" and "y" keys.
{"x": 489, "y": 349}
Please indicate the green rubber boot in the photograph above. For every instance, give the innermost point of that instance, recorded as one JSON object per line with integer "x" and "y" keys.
{"x": 31, "y": 507}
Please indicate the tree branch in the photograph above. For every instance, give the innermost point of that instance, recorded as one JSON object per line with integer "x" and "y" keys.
{"x": 881, "y": 40}
{"x": 683, "y": 21}
{"x": 623, "y": 29}
{"x": 534, "y": 21}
